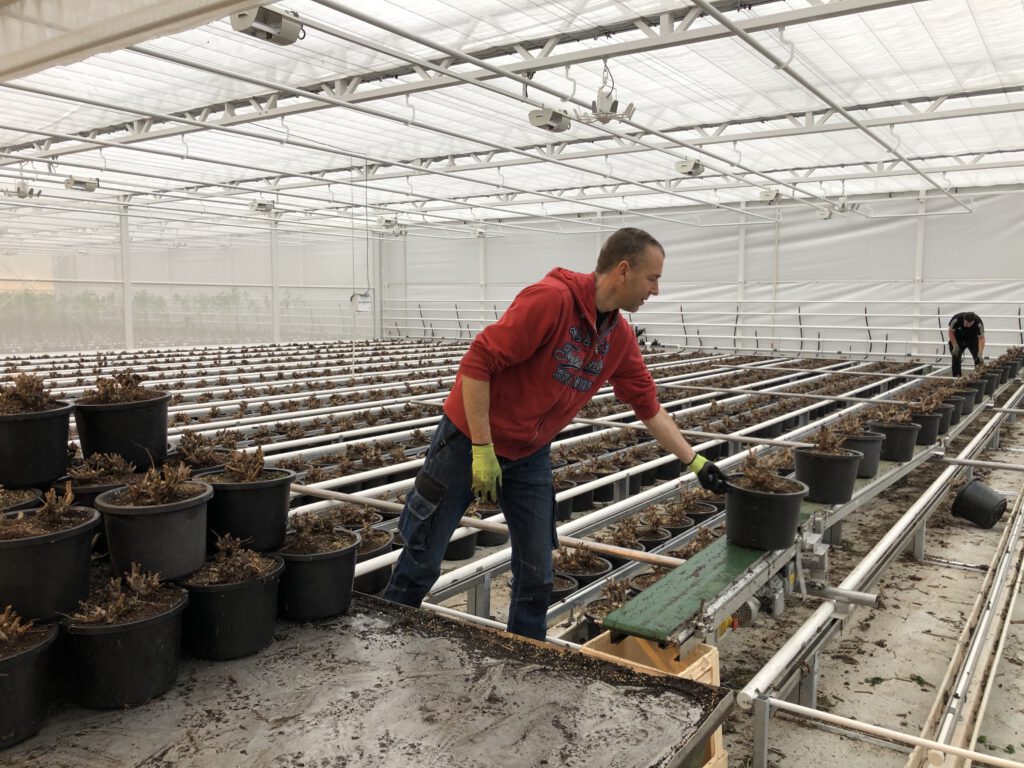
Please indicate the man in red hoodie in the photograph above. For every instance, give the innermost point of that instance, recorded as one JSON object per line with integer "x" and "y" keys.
{"x": 522, "y": 380}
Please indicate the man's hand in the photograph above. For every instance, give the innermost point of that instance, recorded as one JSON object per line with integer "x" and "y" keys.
{"x": 486, "y": 473}
{"x": 708, "y": 474}
{"x": 954, "y": 348}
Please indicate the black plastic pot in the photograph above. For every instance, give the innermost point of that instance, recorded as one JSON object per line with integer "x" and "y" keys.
{"x": 42, "y": 576}
{"x": 30, "y": 503}
{"x": 23, "y": 690}
{"x": 255, "y": 512}
{"x": 584, "y": 501}
{"x": 829, "y": 477}
{"x": 318, "y": 585}
{"x": 137, "y": 431}
{"x": 957, "y": 404}
{"x": 980, "y": 388}
{"x": 1004, "y": 374}
{"x": 762, "y": 520}
{"x": 669, "y": 471}
{"x": 229, "y": 621}
{"x": 991, "y": 381}
{"x": 562, "y": 587}
{"x": 969, "y": 395}
{"x": 662, "y": 535}
{"x": 490, "y": 538}
{"x": 979, "y": 504}
{"x": 461, "y": 549}
{"x": 685, "y": 523}
{"x": 900, "y": 440}
{"x": 563, "y": 508}
{"x": 606, "y": 492}
{"x": 167, "y": 538}
{"x": 870, "y": 445}
{"x": 583, "y": 579}
{"x": 123, "y": 665}
{"x": 86, "y": 495}
{"x": 616, "y": 561}
{"x": 930, "y": 423}
{"x": 945, "y": 411}
{"x": 34, "y": 447}
{"x": 373, "y": 582}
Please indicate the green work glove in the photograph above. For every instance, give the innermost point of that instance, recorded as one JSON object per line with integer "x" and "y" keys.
{"x": 708, "y": 474}
{"x": 486, "y": 473}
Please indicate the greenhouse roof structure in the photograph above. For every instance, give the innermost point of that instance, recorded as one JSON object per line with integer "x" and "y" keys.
{"x": 453, "y": 119}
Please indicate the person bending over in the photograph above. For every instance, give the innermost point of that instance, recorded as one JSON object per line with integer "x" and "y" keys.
{"x": 966, "y": 331}
{"x": 523, "y": 379}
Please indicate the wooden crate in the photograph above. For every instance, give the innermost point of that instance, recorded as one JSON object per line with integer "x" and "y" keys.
{"x": 699, "y": 665}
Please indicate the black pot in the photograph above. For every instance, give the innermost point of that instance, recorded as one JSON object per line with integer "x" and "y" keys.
{"x": 870, "y": 445}
{"x": 662, "y": 535}
{"x": 669, "y": 471}
{"x": 979, "y": 504}
{"x": 829, "y": 477}
{"x": 30, "y": 503}
{"x": 137, "y": 431}
{"x": 685, "y": 523}
{"x": 980, "y": 387}
{"x": 43, "y": 576}
{"x": 255, "y": 512}
{"x": 969, "y": 395}
{"x": 991, "y": 381}
{"x": 945, "y": 411}
{"x": 900, "y": 440}
{"x": 23, "y": 690}
{"x": 375, "y": 581}
{"x": 167, "y": 538}
{"x": 490, "y": 538}
{"x": 34, "y": 447}
{"x": 761, "y": 520}
{"x": 562, "y": 587}
{"x": 589, "y": 578}
{"x": 704, "y": 510}
{"x": 123, "y": 665}
{"x": 615, "y": 560}
{"x": 606, "y": 492}
{"x": 318, "y": 585}
{"x": 930, "y": 423}
{"x": 86, "y": 495}
{"x": 957, "y": 404}
{"x": 463, "y": 548}
{"x": 563, "y": 508}
{"x": 585, "y": 500}
{"x": 229, "y": 621}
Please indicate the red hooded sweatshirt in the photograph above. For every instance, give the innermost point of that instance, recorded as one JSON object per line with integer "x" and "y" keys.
{"x": 545, "y": 360}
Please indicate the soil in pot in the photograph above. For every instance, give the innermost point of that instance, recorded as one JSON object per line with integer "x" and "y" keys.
{"x": 33, "y": 434}
{"x": 44, "y": 556}
{"x": 24, "y": 672}
{"x": 584, "y": 566}
{"x": 250, "y": 501}
{"x": 614, "y": 595}
{"x": 622, "y": 534}
{"x": 374, "y": 544}
{"x": 652, "y": 536}
{"x": 121, "y": 416}
{"x": 158, "y": 521}
{"x": 13, "y": 500}
{"x": 320, "y": 561}
{"x": 123, "y": 641}
{"x": 562, "y": 586}
{"x": 673, "y": 516}
{"x": 232, "y": 610}
{"x": 642, "y": 581}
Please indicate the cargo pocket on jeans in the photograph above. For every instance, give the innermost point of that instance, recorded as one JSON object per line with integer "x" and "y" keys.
{"x": 422, "y": 503}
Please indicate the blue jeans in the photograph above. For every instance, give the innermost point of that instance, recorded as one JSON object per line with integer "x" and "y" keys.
{"x": 439, "y": 498}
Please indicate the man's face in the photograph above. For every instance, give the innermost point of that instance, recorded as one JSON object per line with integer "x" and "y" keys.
{"x": 641, "y": 283}
{"x": 968, "y": 323}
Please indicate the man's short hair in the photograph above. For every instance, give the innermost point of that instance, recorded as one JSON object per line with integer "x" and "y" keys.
{"x": 970, "y": 317}
{"x": 628, "y": 244}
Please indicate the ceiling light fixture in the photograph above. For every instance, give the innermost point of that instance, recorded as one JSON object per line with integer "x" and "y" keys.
{"x": 550, "y": 119}
{"x": 280, "y": 28}
{"x": 81, "y": 184}
{"x": 689, "y": 166}
{"x": 605, "y": 107}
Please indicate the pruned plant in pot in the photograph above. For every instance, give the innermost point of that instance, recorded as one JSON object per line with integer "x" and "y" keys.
{"x": 24, "y": 668}
{"x": 485, "y": 510}
{"x": 561, "y": 587}
{"x": 33, "y": 434}
{"x": 672, "y": 517}
{"x": 373, "y": 543}
{"x": 583, "y": 565}
{"x": 928, "y": 412}
{"x": 121, "y": 416}
{"x": 98, "y": 473}
{"x": 250, "y": 501}
{"x": 123, "y": 641}
{"x": 623, "y": 534}
{"x": 828, "y": 469}
{"x": 232, "y": 610}
{"x": 642, "y": 581}
{"x": 320, "y": 561}
{"x": 157, "y": 521}
{"x": 703, "y": 538}
{"x": 44, "y": 556}
{"x": 762, "y": 509}
{"x": 200, "y": 452}
{"x": 614, "y": 594}
{"x": 900, "y": 432}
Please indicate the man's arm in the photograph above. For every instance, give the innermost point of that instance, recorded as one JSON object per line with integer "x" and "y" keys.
{"x": 667, "y": 433}
{"x": 476, "y": 395}
{"x": 981, "y": 345}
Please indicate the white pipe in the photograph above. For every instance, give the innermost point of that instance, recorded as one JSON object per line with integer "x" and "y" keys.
{"x": 888, "y": 733}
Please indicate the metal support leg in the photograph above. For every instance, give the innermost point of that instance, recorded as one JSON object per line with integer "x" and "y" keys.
{"x": 478, "y": 598}
{"x": 762, "y": 715}
{"x": 620, "y": 489}
{"x": 807, "y": 690}
{"x": 994, "y": 442}
{"x": 918, "y": 543}
{"x": 833, "y": 536}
